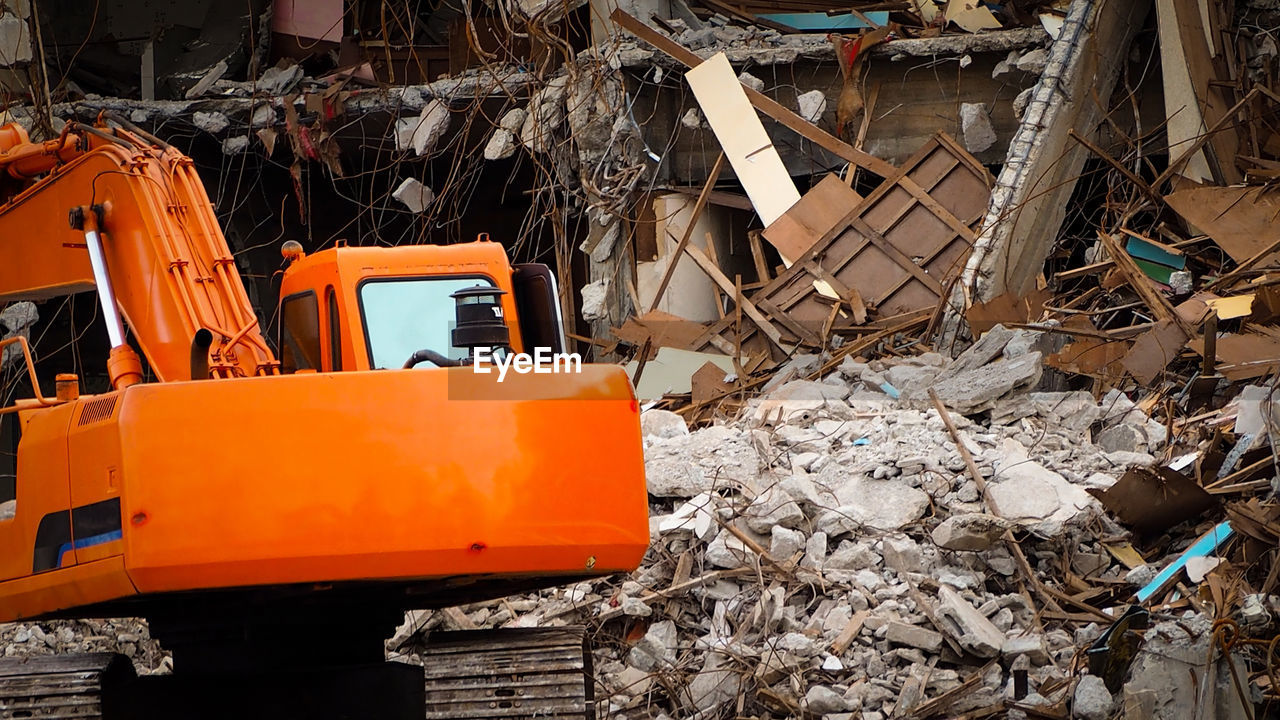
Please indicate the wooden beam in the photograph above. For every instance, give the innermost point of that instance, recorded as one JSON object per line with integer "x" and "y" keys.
{"x": 725, "y": 284}
{"x": 764, "y": 104}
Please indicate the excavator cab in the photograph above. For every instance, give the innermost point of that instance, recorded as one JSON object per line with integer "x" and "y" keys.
{"x": 372, "y": 308}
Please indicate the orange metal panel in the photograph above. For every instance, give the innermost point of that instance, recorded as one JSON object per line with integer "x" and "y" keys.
{"x": 76, "y": 586}
{"x": 43, "y": 488}
{"x": 379, "y": 475}
{"x": 93, "y": 446}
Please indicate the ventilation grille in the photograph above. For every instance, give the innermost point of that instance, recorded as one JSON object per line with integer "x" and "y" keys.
{"x": 98, "y": 410}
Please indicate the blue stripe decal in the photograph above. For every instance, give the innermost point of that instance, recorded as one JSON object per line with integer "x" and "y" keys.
{"x": 88, "y": 542}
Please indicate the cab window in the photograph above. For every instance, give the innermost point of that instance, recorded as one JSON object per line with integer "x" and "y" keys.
{"x": 404, "y": 315}
{"x": 300, "y": 332}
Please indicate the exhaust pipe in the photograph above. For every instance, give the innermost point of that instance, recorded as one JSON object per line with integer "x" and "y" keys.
{"x": 200, "y": 354}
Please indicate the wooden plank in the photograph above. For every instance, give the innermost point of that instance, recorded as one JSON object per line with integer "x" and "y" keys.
{"x": 1157, "y": 303}
{"x": 748, "y": 307}
{"x": 766, "y": 105}
{"x": 818, "y": 210}
{"x": 750, "y": 151}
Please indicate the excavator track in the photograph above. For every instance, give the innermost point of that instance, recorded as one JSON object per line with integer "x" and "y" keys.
{"x": 509, "y": 674}
{"x": 74, "y": 687}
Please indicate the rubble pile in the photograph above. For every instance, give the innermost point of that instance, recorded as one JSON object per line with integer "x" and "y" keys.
{"x": 127, "y": 636}
{"x": 828, "y": 552}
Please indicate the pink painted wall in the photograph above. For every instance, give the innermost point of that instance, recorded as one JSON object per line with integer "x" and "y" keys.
{"x": 314, "y": 19}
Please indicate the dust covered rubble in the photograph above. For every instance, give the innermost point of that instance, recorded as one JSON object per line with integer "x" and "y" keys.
{"x": 826, "y": 554}
{"x": 127, "y": 636}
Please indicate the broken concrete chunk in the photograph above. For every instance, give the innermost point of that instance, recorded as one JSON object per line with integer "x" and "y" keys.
{"x": 662, "y": 424}
{"x": 751, "y": 81}
{"x": 785, "y": 543}
{"x": 594, "y": 300}
{"x": 513, "y": 120}
{"x": 1033, "y": 646}
{"x": 415, "y": 196}
{"x": 976, "y": 390}
{"x": 812, "y": 105}
{"x": 718, "y": 683}
{"x": 210, "y": 122}
{"x": 712, "y": 457}
{"x": 773, "y": 508}
{"x": 880, "y": 504}
{"x": 19, "y": 316}
{"x": 264, "y": 115}
{"x": 421, "y": 133}
{"x": 278, "y": 81}
{"x": 657, "y": 649}
{"x": 15, "y": 40}
{"x": 970, "y": 531}
{"x": 1033, "y": 62}
{"x": 976, "y": 128}
{"x": 501, "y": 145}
{"x": 967, "y": 626}
{"x": 8, "y": 509}
{"x": 728, "y": 552}
{"x": 903, "y": 554}
{"x": 913, "y": 636}
{"x": 235, "y": 144}
{"x": 1091, "y": 700}
{"x": 693, "y": 119}
{"x": 822, "y": 700}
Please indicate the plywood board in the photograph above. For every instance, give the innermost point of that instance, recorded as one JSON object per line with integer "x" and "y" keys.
{"x": 817, "y": 212}
{"x": 750, "y": 151}
{"x": 896, "y": 249}
{"x": 1243, "y": 221}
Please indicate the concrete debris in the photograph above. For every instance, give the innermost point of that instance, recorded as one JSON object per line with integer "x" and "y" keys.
{"x": 501, "y": 145}
{"x": 280, "y": 80}
{"x": 594, "y": 300}
{"x": 235, "y": 145}
{"x": 979, "y": 390}
{"x": 662, "y": 424}
{"x": 421, "y": 133}
{"x": 968, "y": 626}
{"x": 19, "y": 316}
{"x": 970, "y": 531}
{"x": 263, "y": 115}
{"x": 415, "y": 196}
{"x": 15, "y": 40}
{"x": 8, "y": 509}
{"x": 1033, "y": 62}
{"x": 1091, "y": 700}
{"x": 976, "y": 128}
{"x": 813, "y": 105}
{"x": 693, "y": 119}
{"x": 211, "y": 122}
{"x": 914, "y": 636}
{"x": 751, "y": 81}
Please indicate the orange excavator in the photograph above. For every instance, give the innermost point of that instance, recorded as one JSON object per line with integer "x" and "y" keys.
{"x": 273, "y": 518}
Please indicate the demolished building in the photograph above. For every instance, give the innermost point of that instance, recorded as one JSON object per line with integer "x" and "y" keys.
{"x": 954, "y": 321}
